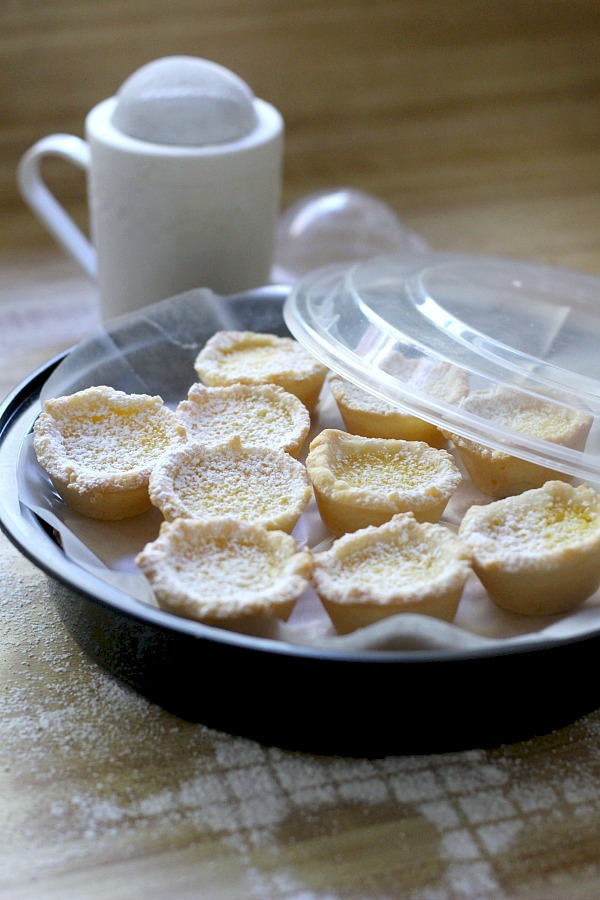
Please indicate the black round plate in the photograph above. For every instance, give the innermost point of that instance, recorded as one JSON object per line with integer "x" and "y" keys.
{"x": 303, "y": 698}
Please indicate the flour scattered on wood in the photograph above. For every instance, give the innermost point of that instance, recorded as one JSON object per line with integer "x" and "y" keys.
{"x": 90, "y": 770}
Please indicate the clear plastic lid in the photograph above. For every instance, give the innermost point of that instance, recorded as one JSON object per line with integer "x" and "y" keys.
{"x": 496, "y": 351}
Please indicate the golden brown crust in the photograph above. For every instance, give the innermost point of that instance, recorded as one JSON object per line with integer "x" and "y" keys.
{"x": 399, "y": 567}
{"x": 248, "y": 357}
{"x": 361, "y": 481}
{"x": 253, "y": 484}
{"x": 537, "y": 553}
{"x": 365, "y": 414}
{"x": 221, "y": 571}
{"x": 261, "y": 415}
{"x": 99, "y": 445}
{"x": 497, "y": 473}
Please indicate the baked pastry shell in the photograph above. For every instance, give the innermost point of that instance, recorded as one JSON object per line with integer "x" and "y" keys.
{"x": 345, "y": 507}
{"x": 194, "y": 569}
{"x": 369, "y": 416}
{"x": 536, "y": 576}
{"x": 199, "y": 465}
{"x": 267, "y": 402}
{"x": 290, "y": 366}
{"x": 96, "y": 491}
{"x": 353, "y": 602}
{"x": 496, "y": 472}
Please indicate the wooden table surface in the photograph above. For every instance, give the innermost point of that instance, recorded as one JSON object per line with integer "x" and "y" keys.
{"x": 479, "y": 123}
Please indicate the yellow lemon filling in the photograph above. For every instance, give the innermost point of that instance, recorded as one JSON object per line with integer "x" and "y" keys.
{"x": 537, "y": 553}
{"x": 98, "y": 446}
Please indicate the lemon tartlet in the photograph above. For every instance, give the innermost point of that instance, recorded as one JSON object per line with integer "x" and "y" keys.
{"x": 537, "y": 553}
{"x": 253, "y": 484}
{"x": 366, "y": 414}
{"x": 402, "y": 566}
{"x": 497, "y": 473}
{"x": 262, "y": 415}
{"x": 359, "y": 481}
{"x": 99, "y": 445}
{"x": 248, "y": 357}
{"x": 221, "y": 571}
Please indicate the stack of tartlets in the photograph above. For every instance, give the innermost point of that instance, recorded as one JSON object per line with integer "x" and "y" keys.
{"x": 224, "y": 468}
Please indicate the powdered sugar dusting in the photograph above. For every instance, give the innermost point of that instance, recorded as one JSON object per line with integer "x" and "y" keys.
{"x": 268, "y": 487}
{"x": 262, "y": 415}
{"x": 96, "y": 436}
{"x": 534, "y": 524}
{"x": 247, "y": 357}
{"x": 92, "y": 774}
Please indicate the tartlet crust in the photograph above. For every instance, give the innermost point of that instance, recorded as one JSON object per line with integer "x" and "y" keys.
{"x": 537, "y": 553}
{"x": 262, "y": 415}
{"x": 403, "y": 566}
{"x": 365, "y": 414}
{"x": 253, "y": 484}
{"x": 359, "y": 481}
{"x": 99, "y": 445}
{"x": 221, "y": 571}
{"x": 497, "y": 473}
{"x": 248, "y": 357}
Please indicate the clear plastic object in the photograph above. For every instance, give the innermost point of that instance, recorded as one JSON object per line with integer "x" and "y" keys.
{"x": 336, "y": 226}
{"x": 508, "y": 326}
{"x": 185, "y": 101}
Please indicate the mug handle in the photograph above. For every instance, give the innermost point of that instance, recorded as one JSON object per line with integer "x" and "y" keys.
{"x": 45, "y": 205}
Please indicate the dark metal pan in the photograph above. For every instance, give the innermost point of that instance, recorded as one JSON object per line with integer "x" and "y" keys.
{"x": 304, "y": 698}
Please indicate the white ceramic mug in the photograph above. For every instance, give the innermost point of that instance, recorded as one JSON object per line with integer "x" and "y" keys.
{"x": 163, "y": 218}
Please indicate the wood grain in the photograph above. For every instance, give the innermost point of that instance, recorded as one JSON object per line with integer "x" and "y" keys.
{"x": 479, "y": 123}
{"x": 443, "y": 109}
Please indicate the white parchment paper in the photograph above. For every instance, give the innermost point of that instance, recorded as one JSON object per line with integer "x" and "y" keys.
{"x": 153, "y": 352}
